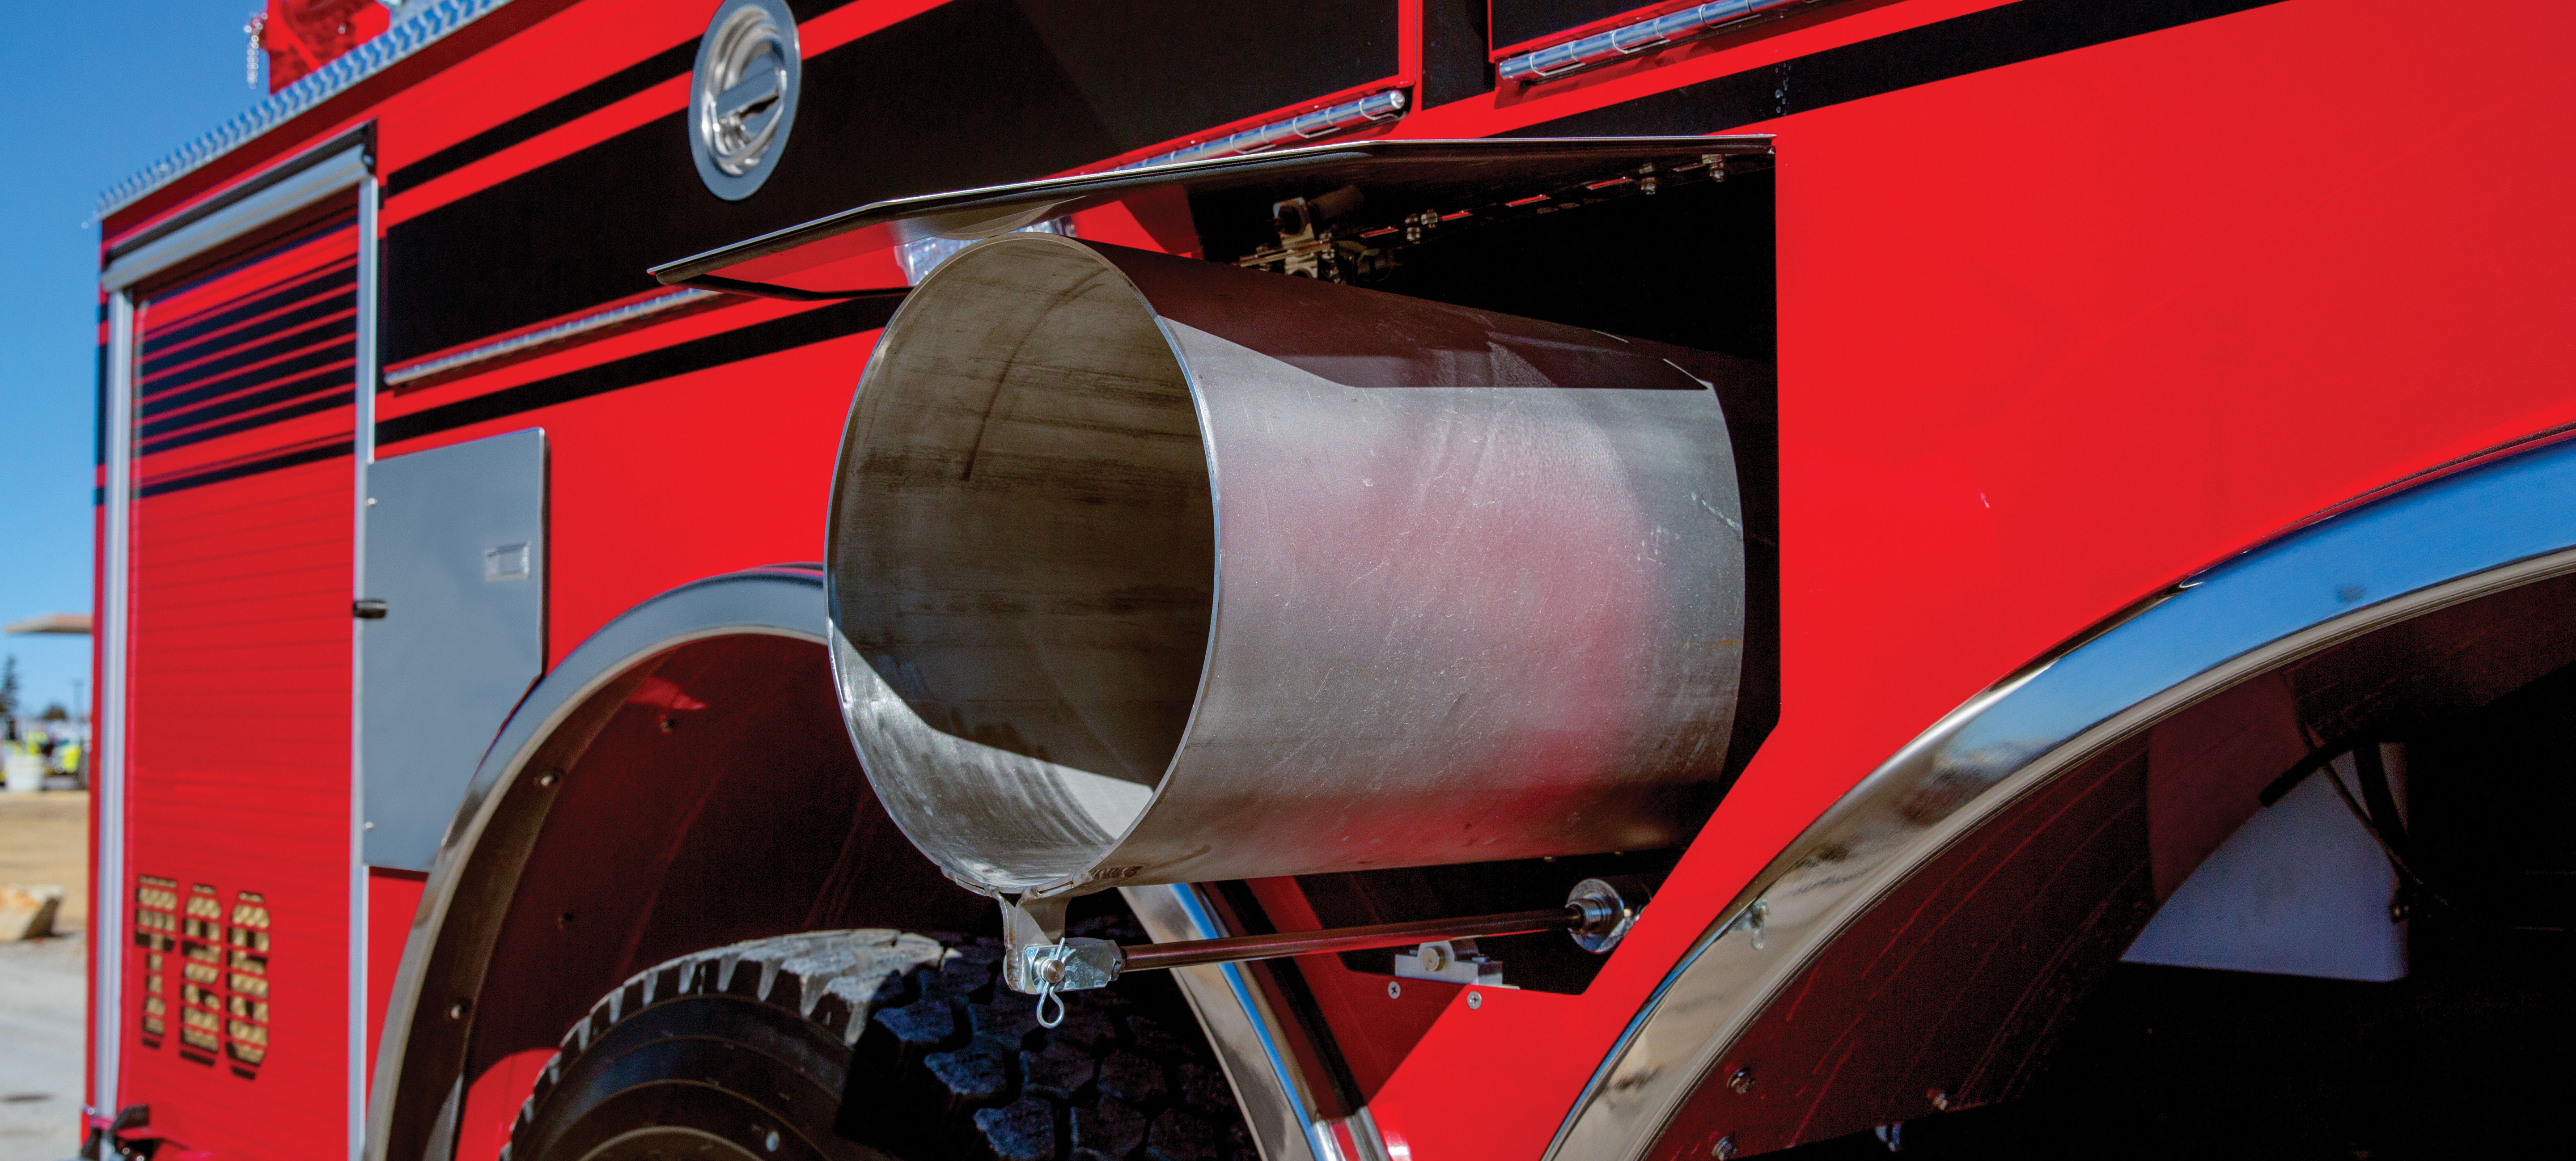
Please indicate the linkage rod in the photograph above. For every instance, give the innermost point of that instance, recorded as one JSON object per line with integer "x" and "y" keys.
{"x": 1146, "y": 957}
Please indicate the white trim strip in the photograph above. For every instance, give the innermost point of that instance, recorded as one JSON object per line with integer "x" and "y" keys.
{"x": 318, "y": 181}
{"x": 410, "y": 33}
{"x": 107, "y": 906}
{"x": 363, "y": 453}
{"x": 550, "y": 335}
{"x": 1627, "y": 40}
{"x": 1380, "y": 106}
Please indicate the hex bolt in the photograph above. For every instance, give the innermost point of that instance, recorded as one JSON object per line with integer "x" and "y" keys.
{"x": 1940, "y": 1100}
{"x": 1724, "y": 1148}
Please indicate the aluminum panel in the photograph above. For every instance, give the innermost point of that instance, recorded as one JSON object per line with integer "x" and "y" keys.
{"x": 456, "y": 551}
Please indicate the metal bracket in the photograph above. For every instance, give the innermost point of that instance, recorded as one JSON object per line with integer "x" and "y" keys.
{"x": 1454, "y": 960}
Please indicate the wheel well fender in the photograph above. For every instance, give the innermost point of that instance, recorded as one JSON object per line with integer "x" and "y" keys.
{"x": 680, "y": 780}
{"x": 2020, "y": 822}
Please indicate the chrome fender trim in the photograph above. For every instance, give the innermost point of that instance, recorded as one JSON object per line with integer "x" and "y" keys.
{"x": 412, "y": 1110}
{"x": 2480, "y": 526}
{"x": 418, "y": 1089}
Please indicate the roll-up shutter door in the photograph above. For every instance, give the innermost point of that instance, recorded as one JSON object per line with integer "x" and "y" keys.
{"x": 238, "y": 847}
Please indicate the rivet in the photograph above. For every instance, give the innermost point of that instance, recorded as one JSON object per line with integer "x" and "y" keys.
{"x": 547, "y": 778}
{"x": 457, "y": 1010}
{"x": 1742, "y": 1080}
{"x": 771, "y": 1143}
{"x": 1475, "y": 999}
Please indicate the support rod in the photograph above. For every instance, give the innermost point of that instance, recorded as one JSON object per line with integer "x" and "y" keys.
{"x": 1150, "y": 956}
{"x": 1597, "y": 914}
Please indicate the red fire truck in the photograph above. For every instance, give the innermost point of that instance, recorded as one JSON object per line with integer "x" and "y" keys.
{"x": 1343, "y": 581}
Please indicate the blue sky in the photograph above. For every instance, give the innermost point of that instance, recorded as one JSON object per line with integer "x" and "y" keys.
{"x": 110, "y": 87}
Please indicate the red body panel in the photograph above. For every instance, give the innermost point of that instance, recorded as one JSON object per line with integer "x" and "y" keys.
{"x": 2051, "y": 335}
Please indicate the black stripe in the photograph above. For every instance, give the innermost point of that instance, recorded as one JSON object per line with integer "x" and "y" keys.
{"x": 968, "y": 93}
{"x": 244, "y": 361}
{"x": 297, "y": 368}
{"x": 1950, "y": 48}
{"x": 1522, "y": 21}
{"x": 341, "y": 398}
{"x": 1454, "y": 67}
{"x": 253, "y": 468}
{"x": 274, "y": 393}
{"x": 674, "y": 61}
{"x": 311, "y": 312}
{"x": 158, "y": 340}
{"x": 98, "y": 426}
{"x": 769, "y": 338}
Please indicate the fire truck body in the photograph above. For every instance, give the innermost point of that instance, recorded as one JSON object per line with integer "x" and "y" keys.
{"x": 2139, "y": 405}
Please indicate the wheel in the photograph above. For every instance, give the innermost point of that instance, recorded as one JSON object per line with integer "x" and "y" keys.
{"x": 876, "y": 1046}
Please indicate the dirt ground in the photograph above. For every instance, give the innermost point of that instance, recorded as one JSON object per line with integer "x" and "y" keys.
{"x": 44, "y": 839}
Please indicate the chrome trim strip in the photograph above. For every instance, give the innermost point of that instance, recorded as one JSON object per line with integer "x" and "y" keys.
{"x": 1574, "y": 56}
{"x": 1380, "y": 106}
{"x": 319, "y": 178}
{"x": 557, "y": 333}
{"x": 2490, "y": 526}
{"x": 783, "y": 602}
{"x": 1276, "y": 1104}
{"x": 108, "y": 909}
{"x": 418, "y": 28}
{"x": 363, "y": 453}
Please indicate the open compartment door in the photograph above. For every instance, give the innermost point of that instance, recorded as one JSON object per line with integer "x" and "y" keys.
{"x": 1329, "y": 211}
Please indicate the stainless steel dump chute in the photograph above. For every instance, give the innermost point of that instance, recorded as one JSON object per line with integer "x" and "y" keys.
{"x": 1147, "y": 569}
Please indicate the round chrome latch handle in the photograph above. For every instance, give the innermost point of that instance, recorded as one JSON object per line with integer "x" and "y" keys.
{"x": 743, "y": 95}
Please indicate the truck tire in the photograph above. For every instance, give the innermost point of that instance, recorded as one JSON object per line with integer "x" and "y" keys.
{"x": 876, "y": 1046}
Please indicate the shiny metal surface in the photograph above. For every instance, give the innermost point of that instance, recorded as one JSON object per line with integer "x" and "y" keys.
{"x": 107, "y": 1011}
{"x": 459, "y": 643}
{"x": 1260, "y": 1062}
{"x": 421, "y": 1055}
{"x": 2488, "y": 526}
{"x": 362, "y": 457}
{"x": 1627, "y": 40}
{"x": 547, "y": 336}
{"x": 314, "y": 176}
{"x": 1608, "y": 908}
{"x": 1236, "y": 948}
{"x": 1351, "y": 114}
{"x": 1151, "y": 570}
{"x": 742, "y": 96}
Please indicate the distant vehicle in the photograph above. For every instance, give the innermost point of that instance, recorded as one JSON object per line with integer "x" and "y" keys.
{"x": 1381, "y": 579}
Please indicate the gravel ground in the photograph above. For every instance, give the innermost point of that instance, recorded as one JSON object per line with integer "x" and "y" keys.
{"x": 40, "y": 1071}
{"x": 44, "y": 839}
